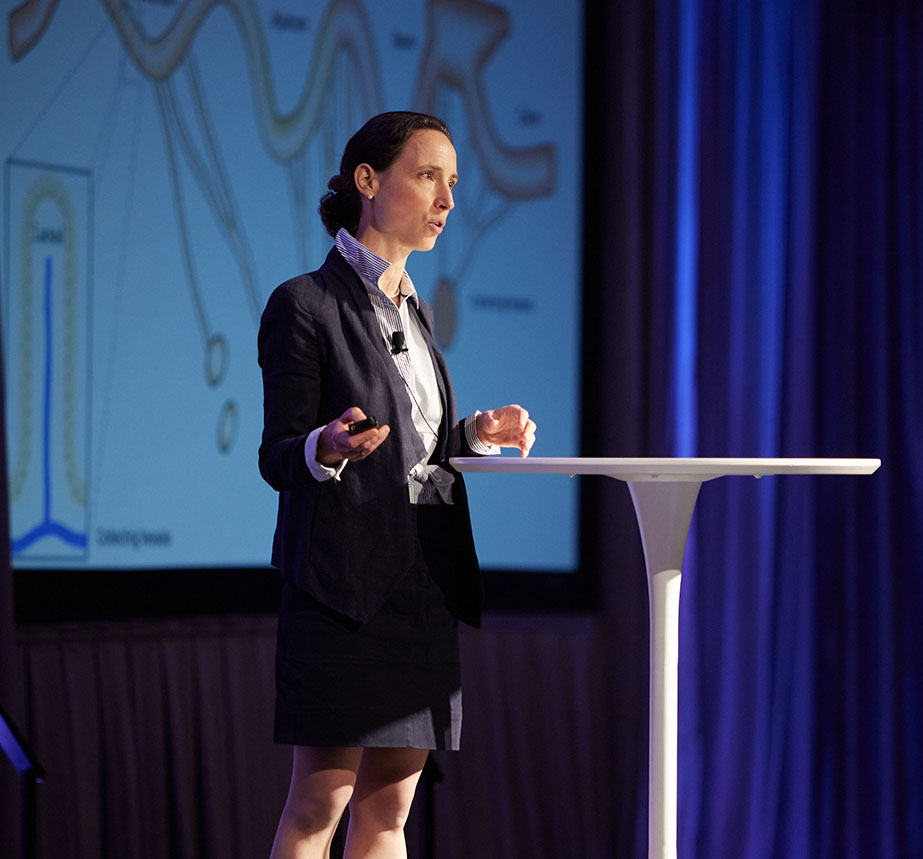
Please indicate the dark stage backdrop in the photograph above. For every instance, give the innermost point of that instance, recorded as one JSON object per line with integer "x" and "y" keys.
{"x": 757, "y": 176}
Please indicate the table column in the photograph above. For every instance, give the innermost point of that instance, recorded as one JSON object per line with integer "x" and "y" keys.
{"x": 664, "y": 511}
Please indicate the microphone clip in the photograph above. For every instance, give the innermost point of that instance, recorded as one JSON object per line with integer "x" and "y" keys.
{"x": 398, "y": 343}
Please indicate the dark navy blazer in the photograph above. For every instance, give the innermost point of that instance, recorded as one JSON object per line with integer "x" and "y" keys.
{"x": 347, "y": 542}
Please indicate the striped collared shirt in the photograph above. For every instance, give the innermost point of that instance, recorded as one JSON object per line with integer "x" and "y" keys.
{"x": 414, "y": 363}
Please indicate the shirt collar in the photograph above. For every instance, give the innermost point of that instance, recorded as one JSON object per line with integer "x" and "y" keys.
{"x": 369, "y": 266}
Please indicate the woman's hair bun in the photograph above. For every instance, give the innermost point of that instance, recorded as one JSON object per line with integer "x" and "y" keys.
{"x": 340, "y": 206}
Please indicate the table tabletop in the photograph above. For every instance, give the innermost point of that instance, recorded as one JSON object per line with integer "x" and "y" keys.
{"x": 669, "y": 469}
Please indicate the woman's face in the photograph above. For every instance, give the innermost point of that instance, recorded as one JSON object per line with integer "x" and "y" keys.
{"x": 411, "y": 199}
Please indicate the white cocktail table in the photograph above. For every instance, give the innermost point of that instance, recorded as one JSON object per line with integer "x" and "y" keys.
{"x": 664, "y": 492}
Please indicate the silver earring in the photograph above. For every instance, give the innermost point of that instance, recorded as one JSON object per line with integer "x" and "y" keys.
{"x": 370, "y": 196}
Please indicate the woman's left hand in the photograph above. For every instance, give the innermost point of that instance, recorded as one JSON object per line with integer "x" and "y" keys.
{"x": 508, "y": 426}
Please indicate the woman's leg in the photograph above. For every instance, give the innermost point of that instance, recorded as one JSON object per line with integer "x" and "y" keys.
{"x": 322, "y": 784}
{"x": 378, "y": 810}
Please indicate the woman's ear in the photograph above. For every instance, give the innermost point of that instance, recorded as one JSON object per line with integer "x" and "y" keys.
{"x": 366, "y": 181}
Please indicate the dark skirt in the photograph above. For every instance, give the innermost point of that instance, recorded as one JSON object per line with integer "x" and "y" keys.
{"x": 394, "y": 681}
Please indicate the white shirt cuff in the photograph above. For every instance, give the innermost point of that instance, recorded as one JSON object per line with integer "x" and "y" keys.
{"x": 320, "y": 472}
{"x": 471, "y": 435}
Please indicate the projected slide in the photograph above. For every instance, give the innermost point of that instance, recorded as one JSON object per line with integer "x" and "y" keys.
{"x": 162, "y": 166}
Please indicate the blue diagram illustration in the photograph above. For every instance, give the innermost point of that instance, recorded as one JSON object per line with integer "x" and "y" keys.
{"x": 47, "y": 305}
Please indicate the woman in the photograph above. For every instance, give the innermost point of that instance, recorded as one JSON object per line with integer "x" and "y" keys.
{"x": 373, "y": 536}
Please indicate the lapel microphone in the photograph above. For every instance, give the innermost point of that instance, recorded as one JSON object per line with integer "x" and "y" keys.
{"x": 398, "y": 344}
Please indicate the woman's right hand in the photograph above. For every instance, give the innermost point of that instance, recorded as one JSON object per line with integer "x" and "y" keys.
{"x": 336, "y": 444}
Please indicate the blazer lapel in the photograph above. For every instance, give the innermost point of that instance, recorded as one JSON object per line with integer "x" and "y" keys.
{"x": 353, "y": 291}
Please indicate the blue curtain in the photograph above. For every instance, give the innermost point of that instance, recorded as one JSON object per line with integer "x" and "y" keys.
{"x": 784, "y": 299}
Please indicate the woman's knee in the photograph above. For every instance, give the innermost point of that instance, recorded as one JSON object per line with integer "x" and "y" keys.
{"x": 322, "y": 784}
{"x": 385, "y": 811}
{"x": 385, "y": 788}
{"x": 317, "y": 810}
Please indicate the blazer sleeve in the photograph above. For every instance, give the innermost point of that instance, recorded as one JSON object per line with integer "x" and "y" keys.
{"x": 288, "y": 357}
